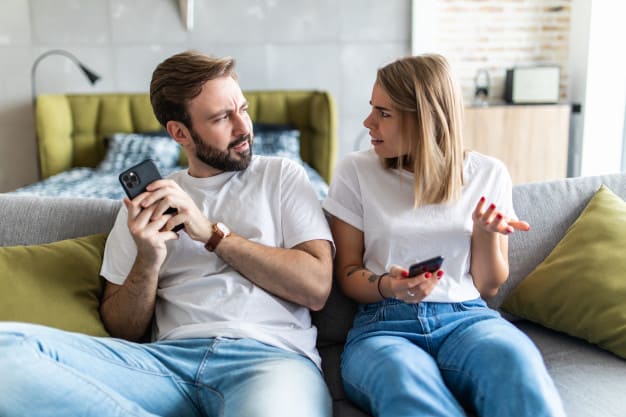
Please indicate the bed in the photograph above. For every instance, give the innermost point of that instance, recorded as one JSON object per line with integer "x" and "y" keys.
{"x": 85, "y": 140}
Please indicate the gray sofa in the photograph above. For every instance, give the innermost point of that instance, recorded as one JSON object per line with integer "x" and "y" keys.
{"x": 592, "y": 382}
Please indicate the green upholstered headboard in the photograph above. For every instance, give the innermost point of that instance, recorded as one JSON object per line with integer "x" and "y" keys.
{"x": 71, "y": 128}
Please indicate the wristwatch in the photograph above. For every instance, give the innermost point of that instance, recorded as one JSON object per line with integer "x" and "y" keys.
{"x": 220, "y": 231}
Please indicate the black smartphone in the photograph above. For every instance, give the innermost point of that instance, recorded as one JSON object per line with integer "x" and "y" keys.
{"x": 429, "y": 265}
{"x": 135, "y": 179}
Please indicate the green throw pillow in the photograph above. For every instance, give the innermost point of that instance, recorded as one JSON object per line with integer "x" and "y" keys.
{"x": 57, "y": 284}
{"x": 580, "y": 288}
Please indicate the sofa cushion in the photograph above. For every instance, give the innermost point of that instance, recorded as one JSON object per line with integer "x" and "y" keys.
{"x": 54, "y": 284}
{"x": 591, "y": 381}
{"x": 581, "y": 285}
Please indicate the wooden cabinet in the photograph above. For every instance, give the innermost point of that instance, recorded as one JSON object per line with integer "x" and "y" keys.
{"x": 531, "y": 140}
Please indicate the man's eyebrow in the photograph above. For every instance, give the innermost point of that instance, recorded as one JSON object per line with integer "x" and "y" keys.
{"x": 226, "y": 110}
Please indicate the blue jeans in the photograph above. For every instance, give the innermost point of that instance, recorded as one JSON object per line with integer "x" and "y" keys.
{"x": 435, "y": 359}
{"x": 48, "y": 372}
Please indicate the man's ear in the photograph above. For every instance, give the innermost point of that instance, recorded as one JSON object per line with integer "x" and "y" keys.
{"x": 179, "y": 132}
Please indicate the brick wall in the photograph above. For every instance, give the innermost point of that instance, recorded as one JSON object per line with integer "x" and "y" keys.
{"x": 499, "y": 34}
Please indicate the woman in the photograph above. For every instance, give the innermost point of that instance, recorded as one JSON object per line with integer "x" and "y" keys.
{"x": 428, "y": 344}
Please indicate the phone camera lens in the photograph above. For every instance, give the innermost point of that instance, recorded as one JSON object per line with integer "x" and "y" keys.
{"x": 131, "y": 179}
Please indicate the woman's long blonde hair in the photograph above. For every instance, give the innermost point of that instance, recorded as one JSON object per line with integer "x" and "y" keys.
{"x": 427, "y": 97}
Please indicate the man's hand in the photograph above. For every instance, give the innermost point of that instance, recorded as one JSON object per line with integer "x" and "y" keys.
{"x": 165, "y": 193}
{"x": 148, "y": 231}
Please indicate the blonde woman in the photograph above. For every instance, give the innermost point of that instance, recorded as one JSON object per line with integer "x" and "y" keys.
{"x": 428, "y": 344}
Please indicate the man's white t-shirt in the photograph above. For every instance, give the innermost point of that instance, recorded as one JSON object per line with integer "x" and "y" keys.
{"x": 199, "y": 295}
{"x": 379, "y": 202}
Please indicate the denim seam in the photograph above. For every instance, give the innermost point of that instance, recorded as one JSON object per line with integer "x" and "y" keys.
{"x": 121, "y": 364}
{"x": 79, "y": 376}
{"x": 198, "y": 383}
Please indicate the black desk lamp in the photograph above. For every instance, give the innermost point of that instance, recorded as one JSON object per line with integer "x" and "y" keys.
{"x": 92, "y": 76}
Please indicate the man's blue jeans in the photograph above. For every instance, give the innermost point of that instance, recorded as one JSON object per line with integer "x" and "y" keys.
{"x": 435, "y": 359}
{"x": 48, "y": 372}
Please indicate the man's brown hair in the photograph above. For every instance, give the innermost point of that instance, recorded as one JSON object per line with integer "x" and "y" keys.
{"x": 179, "y": 79}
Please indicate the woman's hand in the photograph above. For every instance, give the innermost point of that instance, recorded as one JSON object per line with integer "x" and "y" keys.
{"x": 396, "y": 284}
{"x": 492, "y": 220}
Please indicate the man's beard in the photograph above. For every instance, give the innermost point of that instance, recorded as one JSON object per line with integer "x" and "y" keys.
{"x": 222, "y": 160}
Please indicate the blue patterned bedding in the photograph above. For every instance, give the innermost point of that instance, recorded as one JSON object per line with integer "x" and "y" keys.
{"x": 126, "y": 150}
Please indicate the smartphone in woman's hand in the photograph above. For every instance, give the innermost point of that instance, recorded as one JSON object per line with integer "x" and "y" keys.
{"x": 429, "y": 265}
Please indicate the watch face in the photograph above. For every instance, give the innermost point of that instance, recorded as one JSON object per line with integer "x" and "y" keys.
{"x": 223, "y": 228}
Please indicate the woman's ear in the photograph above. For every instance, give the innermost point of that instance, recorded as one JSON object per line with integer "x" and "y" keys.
{"x": 179, "y": 132}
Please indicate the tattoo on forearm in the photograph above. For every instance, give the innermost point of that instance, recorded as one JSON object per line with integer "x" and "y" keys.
{"x": 353, "y": 270}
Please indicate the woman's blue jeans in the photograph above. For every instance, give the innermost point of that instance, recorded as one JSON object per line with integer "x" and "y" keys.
{"x": 48, "y": 372}
{"x": 437, "y": 359}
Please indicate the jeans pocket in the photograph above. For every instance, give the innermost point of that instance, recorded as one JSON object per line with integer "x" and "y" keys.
{"x": 471, "y": 305}
{"x": 368, "y": 314}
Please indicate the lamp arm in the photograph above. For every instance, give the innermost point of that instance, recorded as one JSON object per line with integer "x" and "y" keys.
{"x": 89, "y": 74}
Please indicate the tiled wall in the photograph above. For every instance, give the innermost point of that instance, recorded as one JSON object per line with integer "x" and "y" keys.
{"x": 324, "y": 44}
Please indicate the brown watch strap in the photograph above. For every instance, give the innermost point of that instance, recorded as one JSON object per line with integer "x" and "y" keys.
{"x": 215, "y": 239}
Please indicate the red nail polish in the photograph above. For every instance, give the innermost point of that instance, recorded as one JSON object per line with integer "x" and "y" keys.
{"x": 499, "y": 216}
{"x": 440, "y": 273}
{"x": 428, "y": 275}
{"x": 482, "y": 199}
{"x": 405, "y": 274}
{"x": 492, "y": 206}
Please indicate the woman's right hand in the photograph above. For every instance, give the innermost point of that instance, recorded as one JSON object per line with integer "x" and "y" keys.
{"x": 396, "y": 284}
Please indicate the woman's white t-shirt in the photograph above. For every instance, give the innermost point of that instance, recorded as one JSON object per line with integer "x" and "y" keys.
{"x": 199, "y": 295}
{"x": 379, "y": 202}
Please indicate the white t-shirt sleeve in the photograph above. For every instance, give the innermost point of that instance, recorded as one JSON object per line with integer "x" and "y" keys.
{"x": 344, "y": 199}
{"x": 119, "y": 252}
{"x": 301, "y": 214}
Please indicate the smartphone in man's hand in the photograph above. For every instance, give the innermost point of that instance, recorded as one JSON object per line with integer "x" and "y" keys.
{"x": 429, "y": 265}
{"x": 135, "y": 179}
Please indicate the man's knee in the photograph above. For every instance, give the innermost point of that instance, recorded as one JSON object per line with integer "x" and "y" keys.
{"x": 286, "y": 388}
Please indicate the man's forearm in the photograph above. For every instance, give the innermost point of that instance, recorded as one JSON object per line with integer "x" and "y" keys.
{"x": 302, "y": 275}
{"x": 127, "y": 310}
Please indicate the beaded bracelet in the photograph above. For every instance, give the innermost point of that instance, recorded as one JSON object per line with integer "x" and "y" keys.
{"x": 380, "y": 279}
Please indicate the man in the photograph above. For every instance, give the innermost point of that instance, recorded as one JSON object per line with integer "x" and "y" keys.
{"x": 230, "y": 293}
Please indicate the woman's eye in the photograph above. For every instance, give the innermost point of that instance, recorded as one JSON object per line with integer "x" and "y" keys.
{"x": 384, "y": 115}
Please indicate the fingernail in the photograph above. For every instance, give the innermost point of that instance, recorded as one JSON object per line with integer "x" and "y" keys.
{"x": 492, "y": 206}
{"x": 439, "y": 274}
{"x": 482, "y": 199}
{"x": 499, "y": 216}
{"x": 428, "y": 275}
{"x": 405, "y": 274}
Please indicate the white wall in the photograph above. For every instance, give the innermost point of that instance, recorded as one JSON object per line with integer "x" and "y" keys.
{"x": 334, "y": 45}
{"x": 603, "y": 88}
